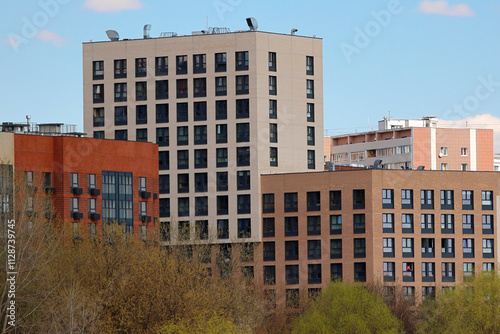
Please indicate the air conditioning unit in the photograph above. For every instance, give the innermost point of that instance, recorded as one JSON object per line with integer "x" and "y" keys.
{"x": 145, "y": 194}
{"x": 94, "y": 192}
{"x": 94, "y": 216}
{"x": 49, "y": 190}
{"x": 77, "y": 215}
{"x": 77, "y": 191}
{"x": 145, "y": 219}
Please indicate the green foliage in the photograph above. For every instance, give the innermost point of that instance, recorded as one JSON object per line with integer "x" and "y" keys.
{"x": 202, "y": 324}
{"x": 470, "y": 308}
{"x": 347, "y": 308}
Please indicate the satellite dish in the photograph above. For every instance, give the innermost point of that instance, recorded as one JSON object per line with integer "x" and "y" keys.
{"x": 440, "y": 155}
{"x": 252, "y": 23}
{"x": 112, "y": 35}
{"x": 146, "y": 30}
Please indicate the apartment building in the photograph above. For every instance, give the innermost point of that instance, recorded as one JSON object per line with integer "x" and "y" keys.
{"x": 224, "y": 108}
{"x": 414, "y": 231}
{"x": 86, "y": 182}
{"x": 402, "y": 144}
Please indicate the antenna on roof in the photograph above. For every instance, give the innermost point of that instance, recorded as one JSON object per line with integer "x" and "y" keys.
{"x": 112, "y": 35}
{"x": 146, "y": 30}
{"x": 252, "y": 23}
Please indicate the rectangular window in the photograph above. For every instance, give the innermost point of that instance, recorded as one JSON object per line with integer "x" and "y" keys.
{"x": 98, "y": 93}
{"x": 272, "y": 61}
{"x": 221, "y": 157}
{"x": 161, "y": 66}
{"x": 291, "y": 202}
{"x": 428, "y": 271}
{"x": 243, "y": 156}
{"x": 162, "y": 113}
{"x": 182, "y": 183}
{"x": 428, "y": 292}
{"x": 310, "y": 136}
{"x": 310, "y": 89}
{"x": 241, "y": 61}
{"x": 467, "y": 200}
{"x": 335, "y": 200}
{"x": 273, "y": 85}
{"x": 444, "y": 151}
{"x": 448, "y": 271}
{"x": 91, "y": 181}
{"x": 335, "y": 224}
{"x": 200, "y": 158}
{"x": 242, "y": 132}
{"x": 201, "y": 229}
{"x": 221, "y": 181}
{"x": 314, "y": 273}
{"x": 273, "y": 133}
{"x": 164, "y": 184}
{"x": 200, "y": 134}
{"x": 243, "y": 180}
{"x": 388, "y": 198}
{"x": 220, "y": 86}
{"x": 121, "y": 115}
{"x": 120, "y": 68}
{"x": 165, "y": 212}
{"x": 141, "y": 114}
{"x": 311, "y": 159}
{"x": 222, "y": 229}
{"x": 269, "y": 275}
{"x": 488, "y": 266}
{"x": 313, "y": 225}
{"x": 98, "y": 70}
{"x": 273, "y": 109}
{"x": 291, "y": 226}
{"x": 162, "y": 136}
{"x": 273, "y": 156}
{"x": 140, "y": 67}
{"x": 243, "y": 204}
{"x": 359, "y": 271}
{"x": 267, "y": 202}
{"x": 313, "y": 201}
{"x": 161, "y": 89}
{"x": 310, "y": 112}
{"x": 336, "y": 271}
{"x": 182, "y": 88}
{"x": 428, "y": 247}
{"x": 468, "y": 271}
{"x": 388, "y": 222}
{"x": 408, "y": 272}
{"x": 163, "y": 160}
{"x": 388, "y": 247}
{"x": 359, "y": 247}
{"x": 220, "y": 62}
{"x": 199, "y": 63}
{"x": 141, "y": 135}
{"x": 292, "y": 298}
{"x": 200, "y": 87}
{"x": 242, "y": 108}
{"x": 292, "y": 274}
{"x": 447, "y": 223}
{"x": 407, "y": 223}
{"x": 488, "y": 248}
{"x": 468, "y": 224}
{"x": 221, "y": 133}
{"x": 464, "y": 167}
{"x": 313, "y": 249}
{"x": 120, "y": 92}
{"x": 487, "y": 200}
{"x": 183, "y": 159}
{"x": 222, "y": 205}
{"x": 183, "y": 206}
{"x": 200, "y": 182}
{"x": 427, "y": 199}
{"x": 407, "y": 245}
{"x": 141, "y": 91}
{"x": 389, "y": 272}
{"x": 121, "y": 135}
{"x": 447, "y": 247}
{"x": 184, "y": 230}
{"x": 268, "y": 249}
{"x": 201, "y": 206}
{"x": 487, "y": 222}
{"x": 444, "y": 166}
{"x": 468, "y": 247}
{"x": 359, "y": 223}
{"x": 406, "y": 199}
{"x": 181, "y": 62}
{"x": 335, "y": 248}
{"x": 358, "y": 197}
{"x": 446, "y": 199}
{"x": 309, "y": 65}
{"x": 182, "y": 135}
{"x": 242, "y": 82}
{"x": 427, "y": 223}
{"x": 268, "y": 228}
{"x": 464, "y": 151}
{"x": 221, "y": 109}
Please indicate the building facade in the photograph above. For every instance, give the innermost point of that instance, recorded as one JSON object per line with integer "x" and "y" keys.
{"x": 412, "y": 230}
{"x": 412, "y": 143}
{"x": 224, "y": 109}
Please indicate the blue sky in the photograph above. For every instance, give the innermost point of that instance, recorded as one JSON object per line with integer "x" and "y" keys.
{"x": 414, "y": 58}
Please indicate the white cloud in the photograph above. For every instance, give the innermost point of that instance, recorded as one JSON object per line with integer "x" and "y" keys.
{"x": 112, "y": 5}
{"x": 443, "y": 8}
{"x": 49, "y": 36}
{"x": 484, "y": 121}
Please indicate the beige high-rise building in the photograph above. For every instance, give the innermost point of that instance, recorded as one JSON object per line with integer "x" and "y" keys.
{"x": 224, "y": 109}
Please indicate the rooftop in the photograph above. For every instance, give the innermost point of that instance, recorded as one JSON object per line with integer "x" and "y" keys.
{"x": 41, "y": 129}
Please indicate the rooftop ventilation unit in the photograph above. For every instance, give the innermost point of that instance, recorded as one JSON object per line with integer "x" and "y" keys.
{"x": 146, "y": 30}
{"x": 377, "y": 164}
{"x": 252, "y": 23}
{"x": 293, "y": 31}
{"x": 420, "y": 167}
{"x": 112, "y": 35}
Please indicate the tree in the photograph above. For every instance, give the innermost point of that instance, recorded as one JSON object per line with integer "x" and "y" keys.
{"x": 472, "y": 307}
{"x": 347, "y": 308}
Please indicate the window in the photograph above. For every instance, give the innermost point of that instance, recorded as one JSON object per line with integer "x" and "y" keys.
{"x": 359, "y": 247}
{"x": 427, "y": 223}
{"x": 242, "y": 82}
{"x": 244, "y": 226}
{"x": 388, "y": 222}
{"x": 183, "y": 206}
{"x": 243, "y": 204}
{"x": 335, "y": 224}
{"x": 448, "y": 247}
{"x": 427, "y": 199}
{"x": 359, "y": 223}
{"x": 468, "y": 224}
{"x": 182, "y": 135}
{"x": 464, "y": 151}
{"x": 98, "y": 117}
{"x": 199, "y": 63}
{"x": 488, "y": 266}
{"x": 313, "y": 225}
{"x": 222, "y": 229}
{"x": 409, "y": 295}
{"x": 335, "y": 200}
{"x": 242, "y": 108}
{"x": 467, "y": 200}
{"x": 448, "y": 271}
{"x": 487, "y": 221}
{"x": 335, "y": 248}
{"x": 273, "y": 156}
{"x": 242, "y": 132}
{"x": 200, "y": 158}
{"x": 143, "y": 209}
{"x": 182, "y": 183}
{"x": 407, "y": 223}
{"x": 182, "y": 88}
{"x": 428, "y": 271}
{"x": 291, "y": 202}
{"x": 98, "y": 93}
{"x": 220, "y": 86}
{"x": 121, "y": 135}
{"x": 141, "y": 135}
{"x": 120, "y": 68}
{"x": 292, "y": 298}
{"x": 162, "y": 137}
{"x": 468, "y": 247}
{"x": 447, "y": 223}
{"x": 273, "y": 109}
{"x": 165, "y": 207}
{"x": 389, "y": 273}
{"x": 221, "y": 181}
{"x": 222, "y": 205}
{"x": 468, "y": 271}
{"x": 221, "y": 109}
{"x": 164, "y": 184}
{"x": 121, "y": 115}
{"x": 181, "y": 64}
{"x": 243, "y": 180}
{"x": 360, "y": 271}
{"x": 314, "y": 273}
{"x": 464, "y": 167}
{"x": 200, "y": 134}
{"x": 388, "y": 247}
{"x": 141, "y": 114}
{"x": 387, "y": 198}
{"x": 163, "y": 160}
{"x": 201, "y": 206}
{"x": 407, "y": 244}
{"x": 243, "y": 156}
{"x": 268, "y": 228}
{"x": 273, "y": 133}
{"x": 314, "y": 249}
{"x": 487, "y": 200}
{"x": 201, "y": 229}
{"x": 220, "y": 62}
{"x": 310, "y": 135}
{"x": 183, "y": 230}
{"x": 200, "y": 182}
{"x": 183, "y": 159}
{"x": 272, "y": 61}
{"x": 408, "y": 272}
{"x": 140, "y": 67}
{"x": 336, "y": 271}
{"x": 310, "y": 89}
{"x": 428, "y": 292}
{"x": 406, "y": 199}
{"x": 309, "y": 65}
{"x": 310, "y": 112}
{"x": 313, "y": 201}
{"x": 488, "y": 248}
{"x": 446, "y": 199}
{"x": 241, "y": 61}
{"x": 161, "y": 66}
{"x": 162, "y": 113}
{"x": 200, "y": 87}
{"x": 161, "y": 89}
{"x": 291, "y": 226}
{"x": 292, "y": 274}
{"x": 272, "y": 85}
{"x": 75, "y": 207}
{"x": 221, "y": 157}
{"x": 444, "y": 151}
{"x": 444, "y": 166}
{"x": 311, "y": 159}
{"x": 221, "y": 133}
{"x": 98, "y": 70}
{"x": 428, "y": 247}
{"x": 269, "y": 275}
{"x": 268, "y": 250}
{"x": 120, "y": 92}
{"x": 358, "y": 197}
